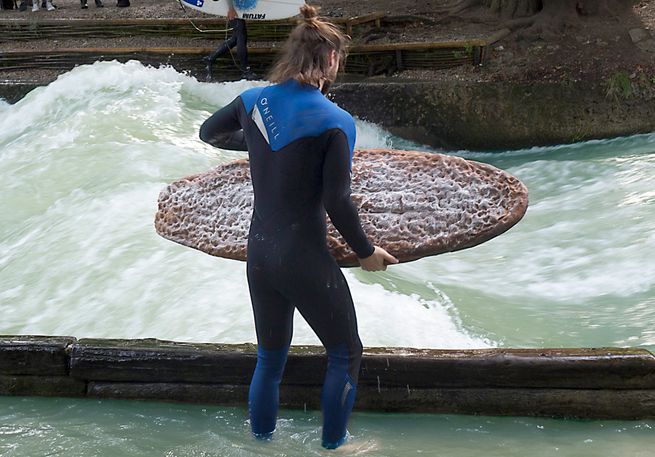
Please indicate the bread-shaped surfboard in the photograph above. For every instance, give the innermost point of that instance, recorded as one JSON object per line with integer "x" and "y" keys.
{"x": 413, "y": 204}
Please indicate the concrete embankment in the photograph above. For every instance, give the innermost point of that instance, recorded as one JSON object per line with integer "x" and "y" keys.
{"x": 11, "y": 91}
{"x": 588, "y": 383}
{"x": 502, "y": 115}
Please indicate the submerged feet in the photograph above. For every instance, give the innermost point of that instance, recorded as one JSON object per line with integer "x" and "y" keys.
{"x": 347, "y": 445}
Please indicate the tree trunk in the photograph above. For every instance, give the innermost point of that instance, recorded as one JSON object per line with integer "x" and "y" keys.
{"x": 604, "y": 7}
{"x": 553, "y": 18}
{"x": 513, "y": 8}
{"x": 542, "y": 19}
{"x": 523, "y": 8}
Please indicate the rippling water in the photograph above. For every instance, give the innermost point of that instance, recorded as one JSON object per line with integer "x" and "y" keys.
{"x": 37, "y": 426}
{"x": 83, "y": 161}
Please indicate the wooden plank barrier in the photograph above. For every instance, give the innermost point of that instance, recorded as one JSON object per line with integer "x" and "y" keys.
{"x": 611, "y": 383}
{"x": 366, "y": 60}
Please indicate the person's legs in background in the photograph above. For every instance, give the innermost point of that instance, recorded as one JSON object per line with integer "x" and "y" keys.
{"x": 241, "y": 33}
{"x": 239, "y": 39}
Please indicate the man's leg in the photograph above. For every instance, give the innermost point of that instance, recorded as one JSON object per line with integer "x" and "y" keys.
{"x": 264, "y": 393}
{"x": 322, "y": 296}
{"x": 274, "y": 325}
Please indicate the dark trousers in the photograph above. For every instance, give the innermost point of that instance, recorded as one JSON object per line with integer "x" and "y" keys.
{"x": 8, "y": 4}
{"x": 239, "y": 39}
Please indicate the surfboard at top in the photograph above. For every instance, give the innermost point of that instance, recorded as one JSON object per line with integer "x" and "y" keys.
{"x": 413, "y": 204}
{"x": 250, "y": 9}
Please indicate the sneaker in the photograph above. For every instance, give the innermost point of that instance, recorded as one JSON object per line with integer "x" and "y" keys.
{"x": 99, "y": 4}
{"x": 249, "y": 75}
{"x": 23, "y": 6}
{"x": 35, "y": 6}
{"x": 49, "y": 6}
{"x": 84, "y": 5}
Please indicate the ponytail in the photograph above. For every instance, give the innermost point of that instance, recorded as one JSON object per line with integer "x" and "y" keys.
{"x": 306, "y": 53}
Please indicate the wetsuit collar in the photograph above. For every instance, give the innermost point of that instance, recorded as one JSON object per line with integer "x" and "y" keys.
{"x": 298, "y": 85}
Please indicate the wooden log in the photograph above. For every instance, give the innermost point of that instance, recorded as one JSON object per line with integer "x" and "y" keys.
{"x": 588, "y": 383}
{"x": 371, "y": 17}
{"x": 169, "y": 362}
{"x": 570, "y": 403}
{"x": 35, "y": 355}
{"x": 416, "y": 46}
{"x": 365, "y": 48}
{"x": 542, "y": 368}
{"x": 358, "y": 20}
{"x": 165, "y": 361}
{"x": 42, "y": 386}
{"x": 152, "y": 360}
{"x": 497, "y": 36}
{"x": 222, "y": 394}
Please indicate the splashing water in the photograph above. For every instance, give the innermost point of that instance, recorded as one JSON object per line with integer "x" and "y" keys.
{"x": 77, "y": 234}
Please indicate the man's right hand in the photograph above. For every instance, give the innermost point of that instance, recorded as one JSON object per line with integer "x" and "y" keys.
{"x": 377, "y": 261}
{"x": 231, "y": 14}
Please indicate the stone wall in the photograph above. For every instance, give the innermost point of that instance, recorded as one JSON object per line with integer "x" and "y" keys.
{"x": 13, "y": 91}
{"x": 498, "y": 116}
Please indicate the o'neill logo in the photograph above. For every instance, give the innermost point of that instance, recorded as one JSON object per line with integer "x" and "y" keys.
{"x": 252, "y": 15}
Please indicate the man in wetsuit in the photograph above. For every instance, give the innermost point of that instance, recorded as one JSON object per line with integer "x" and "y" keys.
{"x": 300, "y": 147}
{"x": 239, "y": 39}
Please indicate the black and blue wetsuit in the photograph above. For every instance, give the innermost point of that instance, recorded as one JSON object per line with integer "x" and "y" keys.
{"x": 300, "y": 147}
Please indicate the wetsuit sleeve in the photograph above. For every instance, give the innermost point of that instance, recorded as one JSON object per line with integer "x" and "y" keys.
{"x": 336, "y": 195}
{"x": 223, "y": 128}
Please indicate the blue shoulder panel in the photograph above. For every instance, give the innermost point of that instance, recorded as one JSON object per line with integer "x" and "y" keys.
{"x": 249, "y": 97}
{"x": 289, "y": 111}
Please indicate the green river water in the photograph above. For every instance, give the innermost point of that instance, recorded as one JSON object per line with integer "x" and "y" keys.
{"x": 82, "y": 162}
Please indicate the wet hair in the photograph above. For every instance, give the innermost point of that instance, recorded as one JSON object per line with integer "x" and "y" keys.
{"x": 305, "y": 56}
